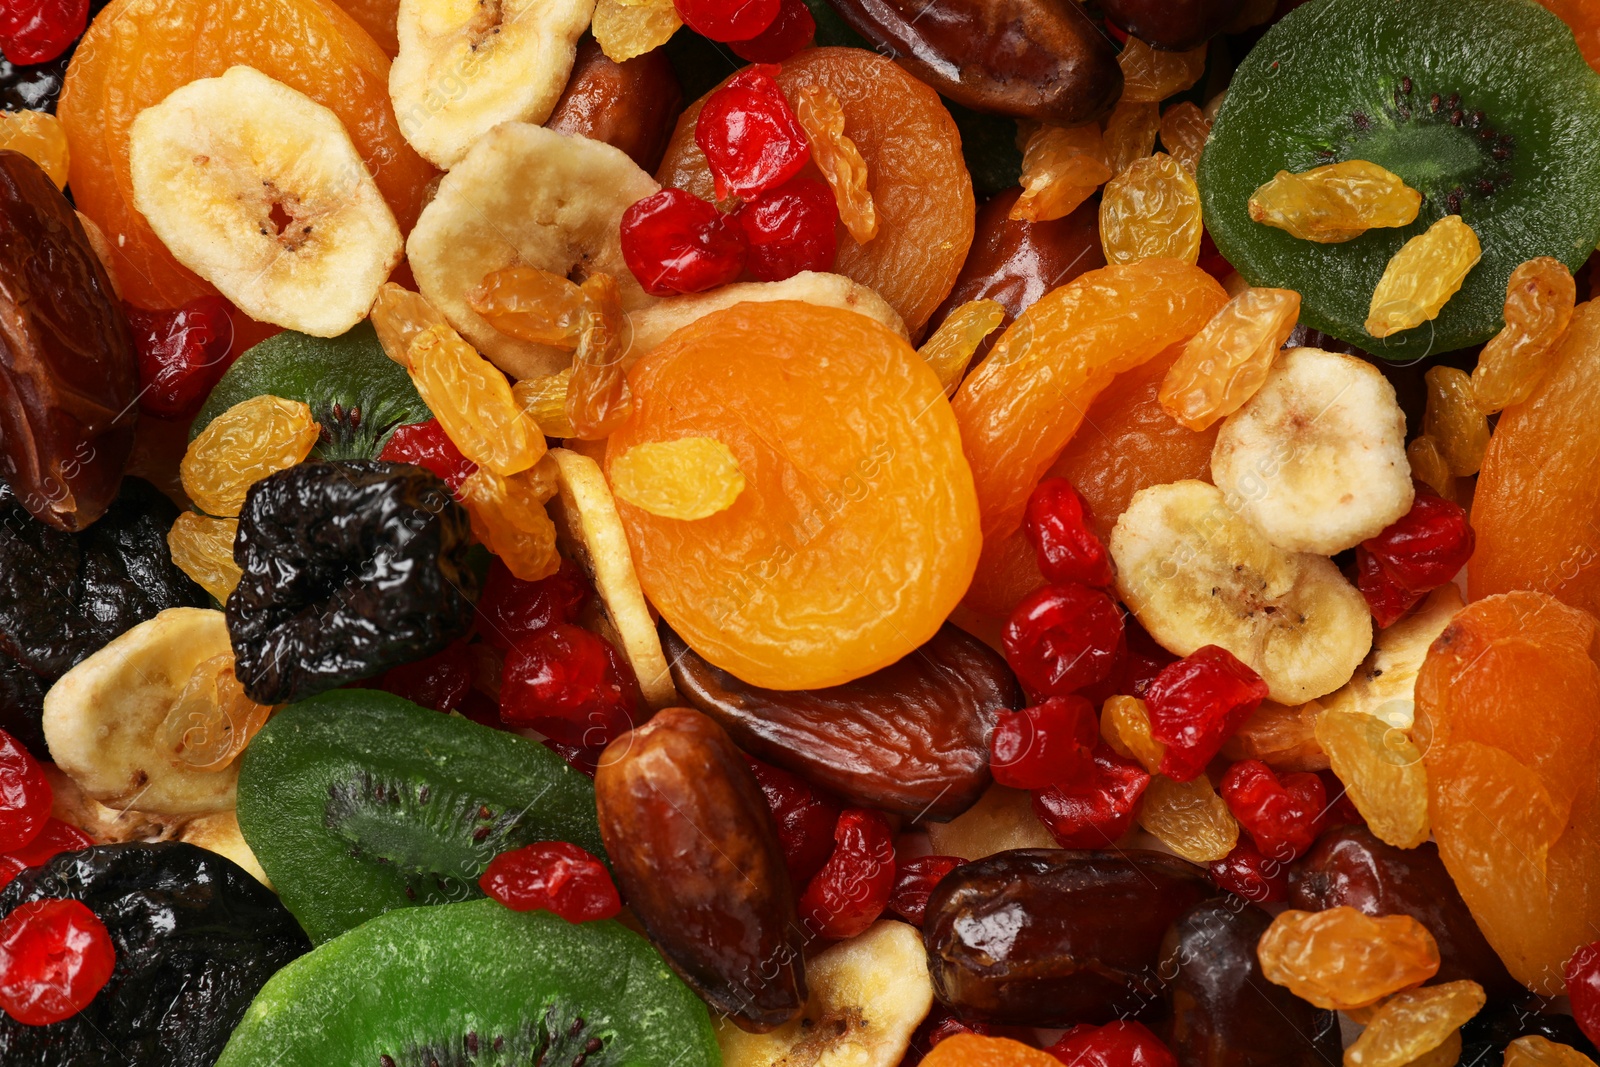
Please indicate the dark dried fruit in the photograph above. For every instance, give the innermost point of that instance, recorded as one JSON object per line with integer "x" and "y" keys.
{"x": 912, "y": 738}
{"x": 350, "y": 568}
{"x": 68, "y": 372}
{"x": 1485, "y": 1036}
{"x": 1047, "y": 937}
{"x": 631, "y": 105}
{"x": 697, "y": 858}
{"x": 1173, "y": 25}
{"x": 195, "y": 938}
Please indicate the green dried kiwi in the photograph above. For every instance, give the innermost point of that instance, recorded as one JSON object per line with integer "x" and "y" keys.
{"x": 476, "y": 984}
{"x": 357, "y": 802}
{"x": 358, "y": 394}
{"x": 1484, "y": 106}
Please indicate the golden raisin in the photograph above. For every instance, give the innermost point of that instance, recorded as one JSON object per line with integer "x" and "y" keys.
{"x": 1335, "y": 203}
{"x": 597, "y": 394}
{"x": 1535, "y": 1051}
{"x": 202, "y": 548}
{"x": 1189, "y": 818}
{"x": 1539, "y": 300}
{"x": 1224, "y": 364}
{"x": 1149, "y": 76}
{"x": 1282, "y": 736}
{"x": 1130, "y": 133}
{"x": 213, "y": 720}
{"x": 544, "y": 400}
{"x": 1125, "y": 724}
{"x": 628, "y": 28}
{"x": 1383, "y": 772}
{"x": 1151, "y": 210}
{"x": 531, "y": 305}
{"x": 1341, "y": 959}
{"x": 509, "y": 517}
{"x": 1061, "y": 168}
{"x": 1446, "y": 1054}
{"x": 1454, "y": 421}
{"x": 472, "y": 401}
{"x": 1429, "y": 467}
{"x": 37, "y": 135}
{"x": 398, "y": 316}
{"x": 1184, "y": 129}
{"x": 1421, "y": 278}
{"x": 1414, "y": 1022}
{"x": 950, "y": 348}
{"x": 244, "y": 444}
{"x": 822, "y": 116}
{"x": 686, "y": 478}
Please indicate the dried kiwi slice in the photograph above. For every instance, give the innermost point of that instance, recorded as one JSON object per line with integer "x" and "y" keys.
{"x": 1485, "y": 106}
{"x": 474, "y": 983}
{"x": 357, "y": 802}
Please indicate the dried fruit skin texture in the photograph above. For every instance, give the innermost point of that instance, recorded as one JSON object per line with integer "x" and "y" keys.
{"x": 398, "y": 317}
{"x": 597, "y": 393}
{"x": 978, "y": 1050}
{"x": 1149, "y": 76}
{"x": 1341, "y": 959}
{"x": 531, "y": 305}
{"x": 1413, "y": 1023}
{"x": 1125, "y": 724}
{"x": 472, "y": 401}
{"x": 852, "y": 540}
{"x": 1335, "y": 203}
{"x": 243, "y": 445}
{"x": 1189, "y": 818}
{"x": 1383, "y": 772}
{"x": 213, "y": 720}
{"x": 37, "y": 135}
{"x": 820, "y": 112}
{"x": 1130, "y": 133}
{"x": 1539, "y": 301}
{"x": 1454, "y": 420}
{"x": 1061, "y": 168}
{"x": 626, "y": 30}
{"x": 1429, "y": 466}
{"x": 1151, "y": 210}
{"x": 509, "y": 517}
{"x": 949, "y": 349}
{"x": 1422, "y": 277}
{"x": 1184, "y": 129}
{"x": 202, "y": 547}
{"x": 1224, "y": 364}
{"x": 1508, "y": 719}
{"x": 1536, "y": 1051}
{"x": 690, "y": 478}
{"x": 544, "y": 400}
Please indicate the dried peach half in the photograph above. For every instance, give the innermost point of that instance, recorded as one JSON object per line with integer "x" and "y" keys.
{"x": 857, "y": 529}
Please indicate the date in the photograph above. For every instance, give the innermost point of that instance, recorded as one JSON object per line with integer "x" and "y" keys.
{"x": 632, "y": 105}
{"x": 1172, "y": 25}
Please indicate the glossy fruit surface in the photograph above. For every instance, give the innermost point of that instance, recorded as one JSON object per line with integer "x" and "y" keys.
{"x": 749, "y": 135}
{"x": 1094, "y": 810}
{"x": 1058, "y": 525}
{"x": 1342, "y": 959}
{"x": 790, "y": 229}
{"x": 1039, "y": 746}
{"x": 182, "y": 354}
{"x": 554, "y": 876}
{"x": 25, "y": 795}
{"x": 852, "y": 888}
{"x": 1196, "y": 704}
{"x": 1064, "y": 638}
{"x": 55, "y": 956}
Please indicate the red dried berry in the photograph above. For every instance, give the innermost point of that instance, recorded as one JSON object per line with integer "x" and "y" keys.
{"x": 440, "y": 682}
{"x": 581, "y": 758}
{"x": 1583, "y": 989}
{"x": 1387, "y": 601}
{"x": 1141, "y": 662}
{"x": 851, "y": 890}
{"x": 1044, "y": 745}
{"x": 750, "y": 136}
{"x": 1063, "y": 638}
{"x": 914, "y": 883}
{"x": 1341, "y": 809}
{"x": 1422, "y": 550}
{"x": 511, "y": 609}
{"x": 674, "y": 242}
{"x": 426, "y": 445}
{"x": 37, "y": 31}
{"x": 182, "y": 354}
{"x": 552, "y": 876}
{"x": 569, "y": 684}
{"x": 1121, "y": 1043}
{"x": 56, "y": 837}
{"x": 1283, "y": 817}
{"x": 55, "y": 955}
{"x": 1057, "y": 525}
{"x": 1196, "y": 704}
{"x": 805, "y": 817}
{"x": 1098, "y": 809}
{"x": 25, "y": 795}
{"x": 790, "y": 229}
{"x": 1246, "y": 873}
{"x": 792, "y": 30}
{"x": 727, "y": 20}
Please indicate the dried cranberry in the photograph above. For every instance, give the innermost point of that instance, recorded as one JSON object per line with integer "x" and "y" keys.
{"x": 1064, "y": 637}
{"x": 750, "y": 136}
{"x": 425, "y": 444}
{"x": 1196, "y": 704}
{"x": 1283, "y": 817}
{"x": 1246, "y": 873}
{"x": 552, "y": 876}
{"x": 1422, "y": 550}
{"x": 1044, "y": 745}
{"x": 805, "y": 817}
{"x": 1121, "y": 1043}
{"x": 1341, "y": 809}
{"x": 851, "y": 890}
{"x": 1385, "y": 598}
{"x": 1098, "y": 809}
{"x": 440, "y": 682}
{"x": 55, "y": 955}
{"x": 512, "y": 609}
{"x": 569, "y": 684}
{"x": 792, "y": 30}
{"x": 56, "y": 837}
{"x": 1057, "y": 525}
{"x": 1141, "y": 662}
{"x": 37, "y": 31}
{"x": 727, "y": 20}
{"x": 790, "y": 229}
{"x": 674, "y": 242}
{"x": 25, "y": 795}
{"x": 914, "y": 882}
{"x": 1583, "y": 989}
{"x": 582, "y": 758}
{"x": 182, "y": 354}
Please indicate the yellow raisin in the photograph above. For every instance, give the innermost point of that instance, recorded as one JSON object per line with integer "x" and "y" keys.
{"x": 1428, "y": 466}
{"x": 1125, "y": 724}
{"x": 1340, "y": 959}
{"x": 399, "y": 316}
{"x": 950, "y": 348}
{"x": 1446, "y": 1054}
{"x": 1539, "y": 300}
{"x": 202, "y": 548}
{"x": 1149, "y": 76}
{"x": 1422, "y": 277}
{"x": 472, "y": 401}
{"x": 1151, "y": 210}
{"x": 1184, "y": 129}
{"x": 1130, "y": 133}
{"x": 597, "y": 395}
{"x": 508, "y": 515}
{"x": 1234, "y": 284}
{"x": 1454, "y": 420}
{"x": 39, "y": 136}
{"x": 822, "y": 116}
{"x": 1280, "y": 735}
{"x": 1335, "y": 203}
{"x": 1536, "y": 1051}
{"x": 213, "y": 720}
{"x": 1414, "y": 1022}
{"x": 1189, "y": 818}
{"x": 689, "y": 478}
{"x": 544, "y": 400}
{"x": 531, "y": 305}
{"x": 1224, "y": 364}
{"x": 1061, "y": 168}
{"x": 628, "y": 28}
{"x": 1214, "y": 105}
{"x": 244, "y": 444}
{"x": 1382, "y": 770}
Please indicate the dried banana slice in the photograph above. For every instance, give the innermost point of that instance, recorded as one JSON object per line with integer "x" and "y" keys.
{"x": 219, "y": 833}
{"x": 1384, "y": 684}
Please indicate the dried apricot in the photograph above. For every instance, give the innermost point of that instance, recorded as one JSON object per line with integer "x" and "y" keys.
{"x": 1151, "y": 210}
{"x": 1414, "y": 1022}
{"x": 378, "y": 18}
{"x": 1184, "y": 129}
{"x": 202, "y": 548}
{"x": 1335, "y": 203}
{"x": 1382, "y": 773}
{"x": 1061, "y": 168}
{"x": 690, "y": 478}
{"x": 949, "y": 349}
{"x": 244, "y": 444}
{"x": 1149, "y": 76}
{"x": 1422, "y": 277}
{"x": 1453, "y": 420}
{"x": 1189, "y": 818}
{"x": 857, "y": 531}
{"x": 1130, "y": 133}
{"x": 977, "y": 1050}
{"x": 837, "y": 156}
{"x": 1539, "y": 300}
{"x": 1224, "y": 364}
{"x": 37, "y": 135}
{"x": 1341, "y": 959}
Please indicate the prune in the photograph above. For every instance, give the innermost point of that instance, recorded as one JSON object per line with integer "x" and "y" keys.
{"x": 195, "y": 938}
{"x": 68, "y": 372}
{"x": 1224, "y": 1011}
{"x": 22, "y": 704}
{"x": 912, "y": 738}
{"x": 1047, "y": 937}
{"x": 1485, "y": 1036}
{"x": 350, "y": 568}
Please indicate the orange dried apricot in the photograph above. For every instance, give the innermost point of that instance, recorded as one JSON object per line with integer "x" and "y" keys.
{"x": 1584, "y": 20}
{"x": 1151, "y": 210}
{"x": 37, "y": 135}
{"x": 976, "y": 1050}
{"x": 377, "y": 17}
{"x": 1341, "y": 959}
{"x": 1224, "y": 364}
{"x": 1540, "y": 296}
{"x": 1061, "y": 168}
{"x": 857, "y": 530}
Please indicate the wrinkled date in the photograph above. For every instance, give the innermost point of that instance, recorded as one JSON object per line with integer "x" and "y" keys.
{"x": 1012, "y": 57}
{"x": 1224, "y": 1011}
{"x": 68, "y": 373}
{"x": 1174, "y": 25}
{"x": 1050, "y": 937}
{"x": 632, "y": 105}
{"x": 696, "y": 854}
{"x": 912, "y": 738}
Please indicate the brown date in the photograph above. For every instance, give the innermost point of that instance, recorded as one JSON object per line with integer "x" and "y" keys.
{"x": 1350, "y": 867}
{"x": 1033, "y": 59}
{"x": 912, "y": 738}
{"x": 696, "y": 854}
{"x": 1051, "y": 937}
{"x": 68, "y": 374}
{"x": 1224, "y": 1011}
{"x": 632, "y": 105}
{"x": 1174, "y": 25}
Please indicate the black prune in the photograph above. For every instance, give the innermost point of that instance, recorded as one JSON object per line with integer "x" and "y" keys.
{"x": 1485, "y": 1036}
{"x": 350, "y": 568}
{"x": 22, "y": 705}
{"x": 196, "y": 938}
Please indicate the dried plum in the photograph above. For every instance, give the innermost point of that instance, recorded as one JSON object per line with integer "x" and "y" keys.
{"x": 196, "y": 937}
{"x": 350, "y": 568}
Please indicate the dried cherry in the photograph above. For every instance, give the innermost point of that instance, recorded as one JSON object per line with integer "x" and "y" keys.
{"x": 1283, "y": 816}
{"x": 25, "y": 795}
{"x": 914, "y": 881}
{"x": 749, "y": 134}
{"x": 569, "y": 684}
{"x": 56, "y": 837}
{"x": 1058, "y": 526}
{"x": 1097, "y": 809}
{"x": 792, "y": 29}
{"x": 511, "y": 609}
{"x": 426, "y": 445}
{"x": 851, "y": 890}
{"x": 1063, "y": 638}
{"x": 1246, "y": 873}
{"x": 440, "y": 681}
{"x": 37, "y": 31}
{"x": 1197, "y": 703}
{"x": 1120, "y": 1043}
{"x": 555, "y": 876}
{"x": 674, "y": 242}
{"x": 55, "y": 957}
{"x": 1045, "y": 745}
{"x": 789, "y": 229}
{"x": 805, "y": 817}
{"x": 183, "y": 353}
{"x": 1582, "y": 974}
